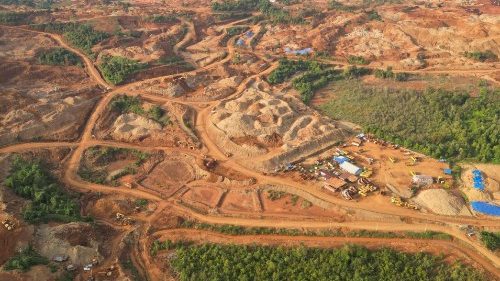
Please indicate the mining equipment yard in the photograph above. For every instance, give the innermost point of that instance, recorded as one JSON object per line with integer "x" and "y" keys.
{"x": 229, "y": 147}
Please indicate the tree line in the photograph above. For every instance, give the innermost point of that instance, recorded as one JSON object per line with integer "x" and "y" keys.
{"x": 252, "y": 262}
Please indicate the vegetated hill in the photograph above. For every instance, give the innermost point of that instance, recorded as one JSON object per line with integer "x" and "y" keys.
{"x": 231, "y": 262}
{"x": 439, "y": 123}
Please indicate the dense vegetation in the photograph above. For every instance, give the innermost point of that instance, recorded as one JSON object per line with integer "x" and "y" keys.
{"x": 240, "y": 230}
{"x": 481, "y": 56}
{"x": 14, "y": 18}
{"x": 130, "y": 104}
{"x": 175, "y": 61}
{"x": 234, "y": 262}
{"x": 25, "y": 259}
{"x": 116, "y": 69}
{"x": 273, "y": 13}
{"x": 48, "y": 201}
{"x": 316, "y": 76}
{"x": 30, "y": 3}
{"x": 82, "y": 36}
{"x": 491, "y": 240}
{"x": 439, "y": 123}
{"x": 58, "y": 56}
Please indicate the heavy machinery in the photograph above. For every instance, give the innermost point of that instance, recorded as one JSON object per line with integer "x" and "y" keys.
{"x": 367, "y": 172}
{"x": 8, "y": 224}
{"x": 365, "y": 189}
{"x": 392, "y": 159}
{"x": 349, "y": 192}
{"x": 396, "y": 200}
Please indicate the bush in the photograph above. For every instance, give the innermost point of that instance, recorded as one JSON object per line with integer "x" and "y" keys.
{"x": 373, "y": 15}
{"x": 117, "y": 69}
{"x": 481, "y": 56}
{"x": 357, "y": 60}
{"x": 169, "y": 18}
{"x": 491, "y": 240}
{"x": 24, "y": 260}
{"x": 29, "y": 3}
{"x": 131, "y": 104}
{"x": 48, "y": 201}
{"x": 58, "y": 56}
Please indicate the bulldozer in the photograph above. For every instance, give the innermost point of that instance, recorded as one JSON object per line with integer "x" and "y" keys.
{"x": 367, "y": 172}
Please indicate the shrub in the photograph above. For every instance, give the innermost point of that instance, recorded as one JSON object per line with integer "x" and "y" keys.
{"x": 481, "y": 56}
{"x": 357, "y": 60}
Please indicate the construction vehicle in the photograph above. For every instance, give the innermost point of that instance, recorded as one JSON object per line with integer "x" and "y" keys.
{"x": 412, "y": 173}
{"x": 392, "y": 159}
{"x": 367, "y": 172}
{"x": 349, "y": 192}
{"x": 415, "y": 159}
{"x": 365, "y": 189}
{"x": 8, "y": 224}
{"x": 440, "y": 180}
{"x": 396, "y": 200}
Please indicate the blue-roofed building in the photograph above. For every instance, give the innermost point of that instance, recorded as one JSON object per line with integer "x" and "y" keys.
{"x": 447, "y": 171}
{"x": 340, "y": 159}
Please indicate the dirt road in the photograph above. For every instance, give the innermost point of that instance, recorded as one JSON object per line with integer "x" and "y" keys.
{"x": 89, "y": 65}
{"x": 71, "y": 178}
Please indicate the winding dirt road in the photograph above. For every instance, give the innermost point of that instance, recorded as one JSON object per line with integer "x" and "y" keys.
{"x": 435, "y": 222}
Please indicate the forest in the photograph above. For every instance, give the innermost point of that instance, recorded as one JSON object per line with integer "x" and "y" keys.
{"x": 48, "y": 201}
{"x": 11, "y": 18}
{"x": 273, "y": 13}
{"x": 58, "y": 56}
{"x": 436, "y": 122}
{"x": 117, "y": 69}
{"x": 82, "y": 36}
{"x": 251, "y": 262}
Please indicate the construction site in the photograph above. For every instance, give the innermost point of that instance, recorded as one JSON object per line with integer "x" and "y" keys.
{"x": 198, "y": 139}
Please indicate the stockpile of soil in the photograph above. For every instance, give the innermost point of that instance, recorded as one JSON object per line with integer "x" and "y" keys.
{"x": 441, "y": 202}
